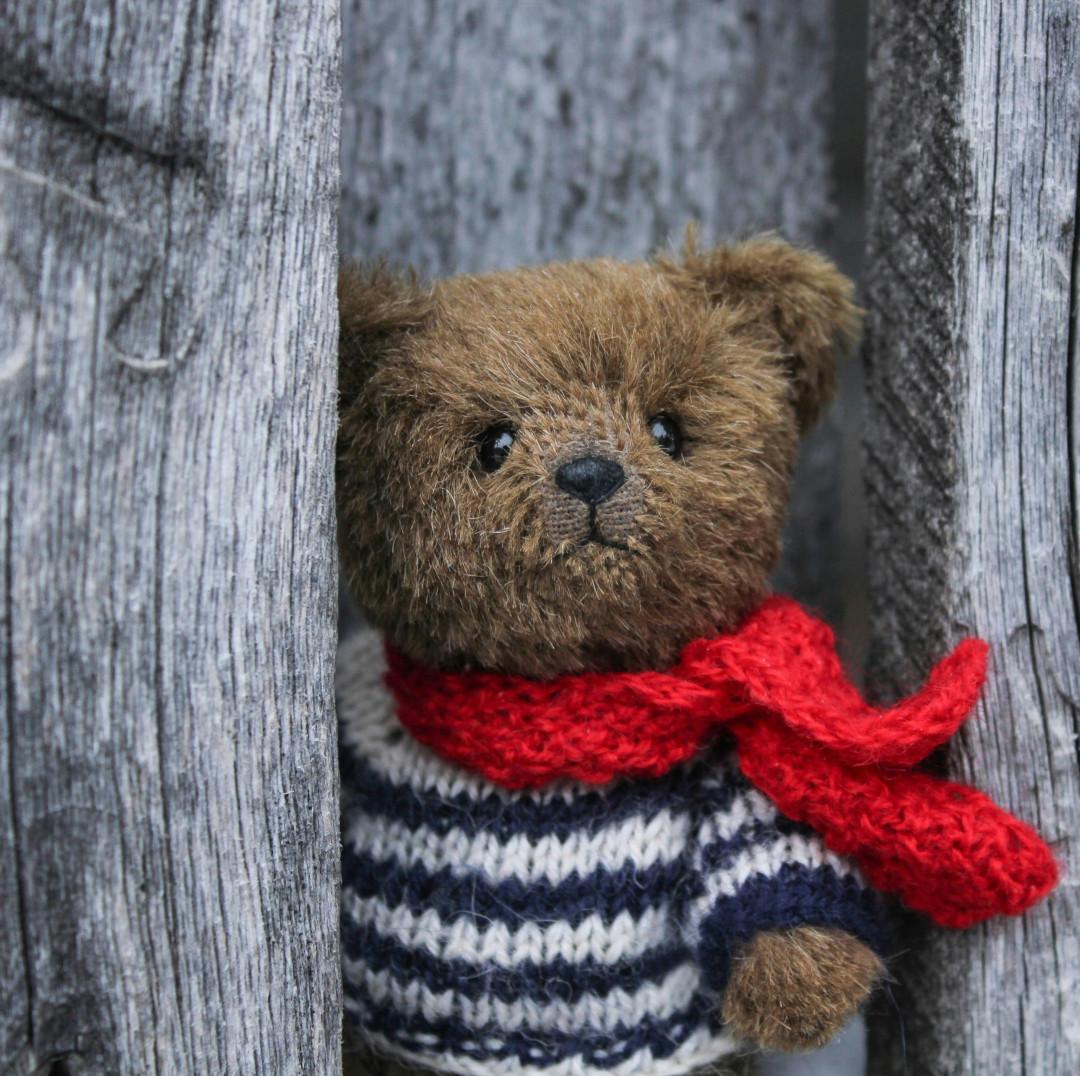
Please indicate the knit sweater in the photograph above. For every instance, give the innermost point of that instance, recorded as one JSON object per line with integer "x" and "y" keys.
{"x": 572, "y": 929}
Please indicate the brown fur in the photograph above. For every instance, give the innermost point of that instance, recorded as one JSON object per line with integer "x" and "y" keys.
{"x": 795, "y": 989}
{"x": 465, "y": 568}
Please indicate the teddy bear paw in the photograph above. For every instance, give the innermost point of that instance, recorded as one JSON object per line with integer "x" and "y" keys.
{"x": 795, "y": 989}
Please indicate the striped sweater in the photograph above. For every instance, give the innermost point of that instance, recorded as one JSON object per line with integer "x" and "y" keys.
{"x": 571, "y": 930}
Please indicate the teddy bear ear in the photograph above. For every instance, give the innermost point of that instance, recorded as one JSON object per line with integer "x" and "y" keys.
{"x": 377, "y": 306}
{"x": 805, "y": 299}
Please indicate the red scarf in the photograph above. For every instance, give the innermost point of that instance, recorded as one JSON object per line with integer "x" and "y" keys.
{"x": 804, "y": 735}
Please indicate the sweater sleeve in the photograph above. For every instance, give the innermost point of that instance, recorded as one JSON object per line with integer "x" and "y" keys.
{"x": 755, "y": 870}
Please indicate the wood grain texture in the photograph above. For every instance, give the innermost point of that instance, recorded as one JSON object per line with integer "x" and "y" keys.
{"x": 168, "y": 803}
{"x": 973, "y": 476}
{"x": 480, "y": 134}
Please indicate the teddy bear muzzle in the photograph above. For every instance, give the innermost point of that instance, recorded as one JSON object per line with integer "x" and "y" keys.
{"x": 595, "y": 499}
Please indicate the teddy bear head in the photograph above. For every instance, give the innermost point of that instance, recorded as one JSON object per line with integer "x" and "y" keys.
{"x": 582, "y": 465}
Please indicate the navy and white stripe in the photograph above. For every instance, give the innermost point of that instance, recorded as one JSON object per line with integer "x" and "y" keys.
{"x": 570, "y": 930}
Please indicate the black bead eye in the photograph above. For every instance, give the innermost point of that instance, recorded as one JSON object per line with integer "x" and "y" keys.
{"x": 494, "y": 447}
{"x": 666, "y": 433}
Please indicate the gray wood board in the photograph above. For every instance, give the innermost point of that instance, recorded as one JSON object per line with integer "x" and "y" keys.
{"x": 168, "y": 804}
{"x": 972, "y": 476}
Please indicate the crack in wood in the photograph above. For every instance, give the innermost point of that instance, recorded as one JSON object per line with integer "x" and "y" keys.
{"x": 54, "y": 186}
{"x": 192, "y": 155}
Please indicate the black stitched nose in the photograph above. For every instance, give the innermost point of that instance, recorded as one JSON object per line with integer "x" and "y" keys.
{"x": 591, "y": 479}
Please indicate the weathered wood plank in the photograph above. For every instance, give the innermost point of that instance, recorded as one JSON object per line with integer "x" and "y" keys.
{"x": 479, "y": 134}
{"x": 168, "y": 809}
{"x": 973, "y": 475}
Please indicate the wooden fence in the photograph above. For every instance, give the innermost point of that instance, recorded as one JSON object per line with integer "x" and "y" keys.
{"x": 169, "y": 192}
{"x": 972, "y": 475}
{"x": 168, "y": 787}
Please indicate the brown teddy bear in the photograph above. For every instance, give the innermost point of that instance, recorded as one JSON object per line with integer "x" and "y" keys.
{"x": 579, "y": 468}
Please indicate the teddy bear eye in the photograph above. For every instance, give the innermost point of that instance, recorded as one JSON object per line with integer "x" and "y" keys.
{"x": 494, "y": 447}
{"x": 666, "y": 433}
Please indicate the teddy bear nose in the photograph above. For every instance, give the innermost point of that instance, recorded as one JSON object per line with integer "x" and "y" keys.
{"x": 591, "y": 479}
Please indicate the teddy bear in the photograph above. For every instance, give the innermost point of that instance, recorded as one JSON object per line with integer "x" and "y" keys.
{"x": 608, "y": 806}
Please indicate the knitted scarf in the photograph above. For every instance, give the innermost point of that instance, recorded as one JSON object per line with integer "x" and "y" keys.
{"x": 805, "y": 738}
